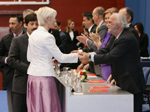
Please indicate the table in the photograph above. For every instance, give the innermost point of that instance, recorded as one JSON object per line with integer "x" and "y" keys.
{"x": 116, "y": 99}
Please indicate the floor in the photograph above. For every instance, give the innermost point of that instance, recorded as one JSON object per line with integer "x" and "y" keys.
{"x": 3, "y": 101}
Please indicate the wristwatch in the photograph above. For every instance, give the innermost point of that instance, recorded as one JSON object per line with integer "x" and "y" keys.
{"x": 89, "y": 58}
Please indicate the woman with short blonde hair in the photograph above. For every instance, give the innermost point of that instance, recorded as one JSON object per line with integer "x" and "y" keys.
{"x": 42, "y": 94}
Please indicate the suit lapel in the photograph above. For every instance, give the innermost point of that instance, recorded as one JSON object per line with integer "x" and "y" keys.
{"x": 25, "y": 39}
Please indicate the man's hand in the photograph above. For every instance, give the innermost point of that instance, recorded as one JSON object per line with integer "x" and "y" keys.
{"x": 84, "y": 57}
{"x": 82, "y": 38}
{"x": 95, "y": 37}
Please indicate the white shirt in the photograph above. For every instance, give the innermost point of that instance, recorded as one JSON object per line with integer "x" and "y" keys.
{"x": 71, "y": 35}
{"x": 42, "y": 47}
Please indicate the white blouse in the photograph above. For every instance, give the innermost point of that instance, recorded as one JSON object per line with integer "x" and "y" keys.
{"x": 42, "y": 47}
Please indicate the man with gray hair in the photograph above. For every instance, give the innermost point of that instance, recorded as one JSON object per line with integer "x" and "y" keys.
{"x": 101, "y": 29}
{"x": 123, "y": 55}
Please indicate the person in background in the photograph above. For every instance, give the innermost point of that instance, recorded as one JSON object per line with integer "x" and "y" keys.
{"x": 108, "y": 37}
{"x": 56, "y": 34}
{"x": 42, "y": 94}
{"x": 71, "y": 34}
{"x": 17, "y": 59}
{"x": 101, "y": 29}
{"x": 15, "y": 25}
{"x": 143, "y": 40}
{"x": 128, "y": 14}
{"x": 89, "y": 25}
{"x": 71, "y": 45}
{"x": 25, "y": 13}
{"x": 62, "y": 47}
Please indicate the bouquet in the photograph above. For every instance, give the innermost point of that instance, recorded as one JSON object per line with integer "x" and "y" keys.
{"x": 83, "y": 75}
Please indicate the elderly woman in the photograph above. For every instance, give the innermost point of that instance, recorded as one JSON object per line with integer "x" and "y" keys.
{"x": 42, "y": 95}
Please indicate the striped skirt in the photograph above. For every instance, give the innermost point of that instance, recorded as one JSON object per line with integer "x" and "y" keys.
{"x": 42, "y": 94}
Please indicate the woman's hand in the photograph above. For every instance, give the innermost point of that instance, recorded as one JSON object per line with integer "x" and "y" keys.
{"x": 109, "y": 79}
{"x": 80, "y": 66}
{"x": 86, "y": 67}
{"x": 55, "y": 62}
{"x": 113, "y": 82}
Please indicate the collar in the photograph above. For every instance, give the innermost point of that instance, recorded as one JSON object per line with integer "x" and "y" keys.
{"x": 28, "y": 34}
{"x": 59, "y": 30}
{"x": 18, "y": 34}
{"x": 100, "y": 23}
{"x": 42, "y": 28}
{"x": 119, "y": 35}
{"x": 90, "y": 28}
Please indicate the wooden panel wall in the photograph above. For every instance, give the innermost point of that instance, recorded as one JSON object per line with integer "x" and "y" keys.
{"x": 66, "y": 9}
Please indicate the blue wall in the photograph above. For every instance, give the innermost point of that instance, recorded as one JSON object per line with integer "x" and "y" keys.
{"x": 141, "y": 10}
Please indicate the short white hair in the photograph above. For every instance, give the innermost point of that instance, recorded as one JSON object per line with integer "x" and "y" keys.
{"x": 120, "y": 19}
{"x": 43, "y": 13}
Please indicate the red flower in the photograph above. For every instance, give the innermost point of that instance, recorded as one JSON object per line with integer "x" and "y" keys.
{"x": 81, "y": 73}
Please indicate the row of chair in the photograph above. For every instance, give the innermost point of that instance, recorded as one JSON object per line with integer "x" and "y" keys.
{"x": 146, "y": 95}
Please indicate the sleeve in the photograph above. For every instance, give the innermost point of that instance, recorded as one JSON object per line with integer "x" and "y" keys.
{"x": 63, "y": 42}
{"x": 13, "y": 58}
{"x": 91, "y": 44}
{"x": 120, "y": 49}
{"x": 145, "y": 43}
{"x": 57, "y": 54}
{"x": 102, "y": 32}
{"x": 29, "y": 51}
{"x": 2, "y": 52}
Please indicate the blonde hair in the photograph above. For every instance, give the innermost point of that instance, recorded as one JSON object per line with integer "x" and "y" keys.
{"x": 43, "y": 13}
{"x": 68, "y": 23}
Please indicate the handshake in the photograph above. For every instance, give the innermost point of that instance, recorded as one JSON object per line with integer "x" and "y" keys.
{"x": 83, "y": 56}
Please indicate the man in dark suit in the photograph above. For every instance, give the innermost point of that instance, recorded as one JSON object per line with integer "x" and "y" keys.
{"x": 17, "y": 59}
{"x": 123, "y": 55}
{"x": 63, "y": 37}
{"x": 128, "y": 14}
{"x": 15, "y": 24}
{"x": 55, "y": 33}
{"x": 88, "y": 22}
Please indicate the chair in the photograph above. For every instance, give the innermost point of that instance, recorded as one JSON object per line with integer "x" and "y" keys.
{"x": 146, "y": 95}
{"x": 146, "y": 71}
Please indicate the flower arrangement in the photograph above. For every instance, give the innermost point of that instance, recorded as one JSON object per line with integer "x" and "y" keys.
{"x": 83, "y": 75}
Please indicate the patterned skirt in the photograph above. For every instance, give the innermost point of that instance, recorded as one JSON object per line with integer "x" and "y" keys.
{"x": 42, "y": 94}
